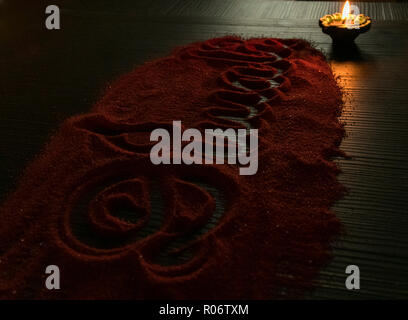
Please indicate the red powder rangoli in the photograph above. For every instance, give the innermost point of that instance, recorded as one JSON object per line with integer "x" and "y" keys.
{"x": 118, "y": 226}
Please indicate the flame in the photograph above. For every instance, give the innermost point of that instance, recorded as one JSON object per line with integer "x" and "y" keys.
{"x": 346, "y": 10}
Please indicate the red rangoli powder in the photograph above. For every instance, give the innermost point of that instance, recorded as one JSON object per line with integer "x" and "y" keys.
{"x": 118, "y": 226}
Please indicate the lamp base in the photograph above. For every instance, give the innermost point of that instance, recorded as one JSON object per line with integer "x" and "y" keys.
{"x": 344, "y": 35}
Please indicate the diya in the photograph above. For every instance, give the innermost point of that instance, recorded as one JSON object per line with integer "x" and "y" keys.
{"x": 346, "y": 26}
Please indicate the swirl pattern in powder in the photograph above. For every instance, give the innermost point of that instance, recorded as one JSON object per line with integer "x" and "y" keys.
{"x": 120, "y": 227}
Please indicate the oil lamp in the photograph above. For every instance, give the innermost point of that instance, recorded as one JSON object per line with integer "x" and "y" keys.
{"x": 346, "y": 26}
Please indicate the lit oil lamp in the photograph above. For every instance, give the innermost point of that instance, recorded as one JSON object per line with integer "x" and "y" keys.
{"x": 346, "y": 26}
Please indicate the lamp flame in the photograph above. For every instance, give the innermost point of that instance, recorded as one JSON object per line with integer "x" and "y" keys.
{"x": 346, "y": 10}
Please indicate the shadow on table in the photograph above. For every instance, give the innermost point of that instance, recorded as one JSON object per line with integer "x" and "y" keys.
{"x": 351, "y": 52}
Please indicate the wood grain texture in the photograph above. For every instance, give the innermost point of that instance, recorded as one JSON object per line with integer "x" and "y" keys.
{"x": 47, "y": 76}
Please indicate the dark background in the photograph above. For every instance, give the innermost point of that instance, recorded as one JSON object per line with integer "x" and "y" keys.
{"x": 46, "y": 76}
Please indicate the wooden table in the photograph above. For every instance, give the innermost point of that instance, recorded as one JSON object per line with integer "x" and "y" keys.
{"x": 46, "y": 76}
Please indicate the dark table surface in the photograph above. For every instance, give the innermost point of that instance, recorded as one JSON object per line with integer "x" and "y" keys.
{"x": 46, "y": 76}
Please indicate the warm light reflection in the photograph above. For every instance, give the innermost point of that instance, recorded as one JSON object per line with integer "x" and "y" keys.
{"x": 346, "y": 10}
{"x": 349, "y": 75}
